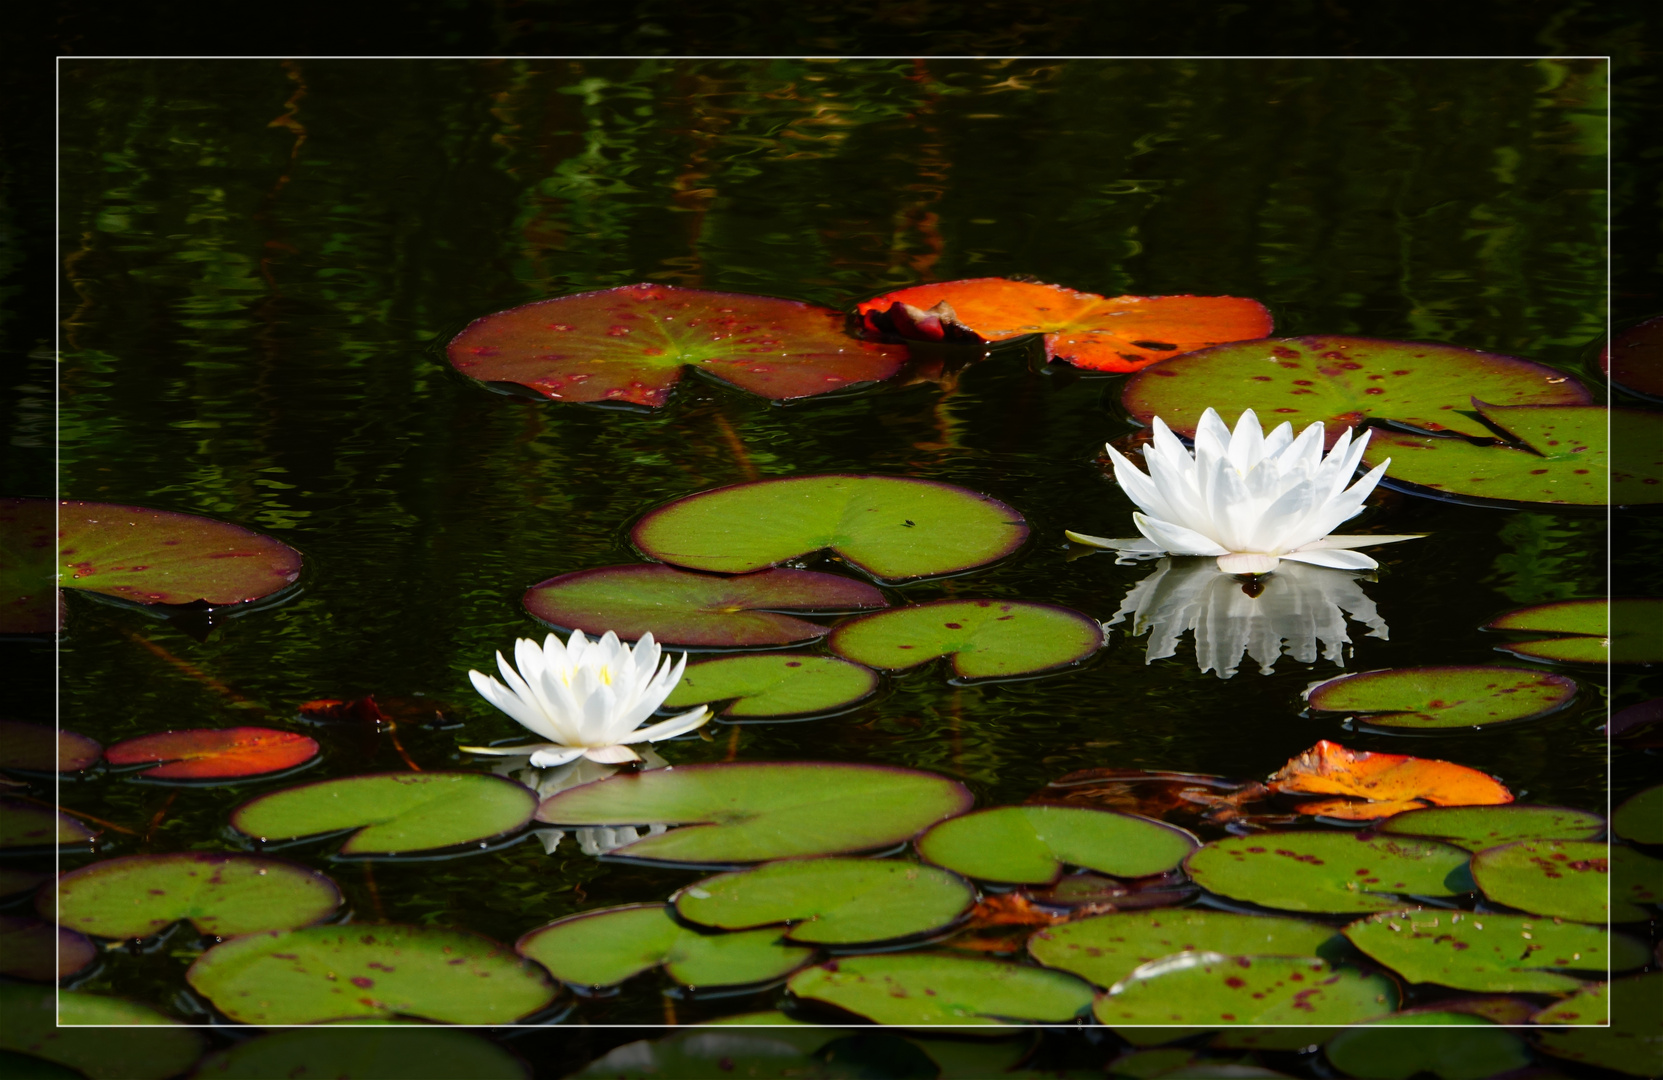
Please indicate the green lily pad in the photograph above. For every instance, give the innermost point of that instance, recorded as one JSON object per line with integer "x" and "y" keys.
{"x": 1328, "y": 871}
{"x": 38, "y": 951}
{"x": 342, "y": 972}
{"x": 1106, "y": 948}
{"x": 139, "y": 895}
{"x": 1208, "y": 989}
{"x": 1028, "y": 845}
{"x": 159, "y": 557}
{"x": 755, "y": 811}
{"x": 916, "y": 989}
{"x": 27, "y": 825}
{"x": 1636, "y": 879}
{"x": 1618, "y": 631}
{"x": 1342, "y": 381}
{"x": 698, "y": 610}
{"x": 1589, "y": 1006}
{"x": 987, "y": 639}
{"x": 28, "y": 576}
{"x": 1566, "y": 878}
{"x": 1444, "y": 697}
{"x": 797, "y": 1052}
{"x": 139, "y": 1043}
{"x": 602, "y": 948}
{"x": 777, "y": 686}
{"x": 1478, "y": 827}
{"x": 629, "y": 345}
{"x": 393, "y": 813}
{"x": 37, "y": 748}
{"x": 892, "y": 527}
{"x": 1489, "y": 952}
{"x": 364, "y": 1052}
{"x": 1451, "y": 1045}
{"x": 1640, "y": 817}
{"x": 830, "y": 901}
{"x": 1565, "y": 459}
{"x": 1632, "y": 1044}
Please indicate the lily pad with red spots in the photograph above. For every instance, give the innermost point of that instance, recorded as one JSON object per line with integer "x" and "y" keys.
{"x": 92, "y": 1035}
{"x": 1328, "y": 871}
{"x": 1443, "y": 697}
{"x": 36, "y": 748}
{"x": 1210, "y": 989}
{"x": 1030, "y": 844}
{"x": 28, "y": 825}
{"x": 40, "y": 952}
{"x": 207, "y": 754}
{"x": 1490, "y": 952}
{"x": 629, "y": 345}
{"x": 698, "y": 610}
{"x": 1479, "y": 827}
{"x": 605, "y": 947}
{"x": 774, "y": 686}
{"x": 918, "y": 989}
{"x": 987, "y": 639}
{"x": 136, "y": 896}
{"x": 1640, "y": 817}
{"x": 1568, "y": 879}
{"x": 1633, "y": 1043}
{"x": 1623, "y": 630}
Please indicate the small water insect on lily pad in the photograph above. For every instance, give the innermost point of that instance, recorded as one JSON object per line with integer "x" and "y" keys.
{"x": 1492, "y": 953}
{"x": 629, "y": 345}
{"x": 323, "y": 973}
{"x": 603, "y": 948}
{"x": 41, "y": 952}
{"x": 1343, "y": 381}
{"x": 1633, "y": 360}
{"x": 1328, "y": 871}
{"x": 831, "y": 901}
{"x": 363, "y": 1050}
{"x": 1640, "y": 817}
{"x": 1624, "y": 630}
{"x": 1633, "y": 1043}
{"x": 1421, "y": 698}
{"x": 776, "y": 686}
{"x": 136, "y": 896}
{"x": 892, "y": 528}
{"x": 41, "y": 749}
{"x": 987, "y": 639}
{"x": 1426, "y": 1042}
{"x": 26, "y": 825}
{"x": 210, "y": 754}
{"x": 1379, "y": 785}
{"x": 392, "y": 813}
{"x": 1210, "y": 989}
{"x": 747, "y": 812}
{"x": 925, "y": 988}
{"x": 698, "y": 610}
{"x": 102, "y": 1037}
{"x": 1567, "y": 879}
{"x": 1478, "y": 827}
{"x": 1029, "y": 844}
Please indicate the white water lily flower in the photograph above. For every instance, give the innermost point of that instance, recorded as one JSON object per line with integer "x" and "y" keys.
{"x": 587, "y": 697}
{"x": 1251, "y": 500}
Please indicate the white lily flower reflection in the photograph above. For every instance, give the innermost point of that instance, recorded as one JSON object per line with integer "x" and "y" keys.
{"x": 1249, "y": 499}
{"x": 1290, "y": 613}
{"x": 587, "y": 697}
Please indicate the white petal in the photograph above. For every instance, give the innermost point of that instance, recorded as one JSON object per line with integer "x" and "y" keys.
{"x": 1334, "y": 558}
{"x": 521, "y": 709}
{"x": 611, "y": 755}
{"x": 1247, "y": 562}
{"x": 507, "y": 751}
{"x": 556, "y": 755}
{"x": 1176, "y": 539}
{"x": 1360, "y": 541}
{"x": 669, "y": 729}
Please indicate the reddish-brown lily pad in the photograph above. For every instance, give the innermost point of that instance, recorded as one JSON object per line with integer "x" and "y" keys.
{"x": 699, "y": 610}
{"x": 630, "y": 344}
{"x": 36, "y": 748}
{"x": 1380, "y": 785}
{"x": 1634, "y": 360}
{"x": 1121, "y": 333}
{"x": 40, "y": 952}
{"x": 206, "y": 754}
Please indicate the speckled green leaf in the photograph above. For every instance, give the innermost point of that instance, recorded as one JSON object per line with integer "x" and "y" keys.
{"x": 916, "y": 989}
{"x": 1444, "y": 697}
{"x": 774, "y": 686}
{"x": 1478, "y": 827}
{"x": 29, "y": 825}
{"x": 1620, "y": 631}
{"x": 987, "y": 639}
{"x": 1030, "y": 844}
{"x": 1328, "y": 871}
{"x": 1632, "y": 1044}
{"x": 133, "y": 1041}
{"x": 1211, "y": 989}
{"x": 605, "y": 947}
{"x": 1490, "y": 952}
{"x": 1569, "y": 879}
{"x": 1640, "y": 817}
{"x": 139, "y": 895}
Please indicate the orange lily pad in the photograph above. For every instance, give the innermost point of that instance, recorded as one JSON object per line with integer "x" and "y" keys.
{"x": 1379, "y": 785}
{"x": 1121, "y": 333}
{"x": 204, "y": 754}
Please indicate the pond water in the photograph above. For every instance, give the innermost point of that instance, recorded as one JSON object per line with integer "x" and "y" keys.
{"x": 263, "y": 261}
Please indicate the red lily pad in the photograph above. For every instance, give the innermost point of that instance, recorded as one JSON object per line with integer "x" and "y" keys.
{"x": 160, "y": 557}
{"x": 630, "y": 344}
{"x": 40, "y": 952}
{"x": 28, "y": 591}
{"x": 36, "y": 748}
{"x": 1122, "y": 333}
{"x": 205, "y": 754}
{"x": 1634, "y": 360}
{"x": 698, "y": 610}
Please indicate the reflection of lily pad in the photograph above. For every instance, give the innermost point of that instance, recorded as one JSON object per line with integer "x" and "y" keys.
{"x": 40, "y": 952}
{"x": 1478, "y": 827}
{"x": 699, "y": 610}
{"x": 1450, "y": 1045}
{"x": 1444, "y": 697}
{"x": 603, "y": 948}
{"x": 630, "y": 344}
{"x": 1211, "y": 989}
{"x": 1640, "y": 817}
{"x": 1632, "y": 1044}
{"x": 892, "y": 527}
{"x": 1106, "y": 948}
{"x": 1328, "y": 871}
{"x": 27, "y": 825}
{"x": 132, "y": 1041}
{"x": 1624, "y": 630}
{"x": 830, "y": 901}
{"x": 1569, "y": 879}
{"x": 1489, "y": 952}
{"x": 139, "y": 895}
{"x": 755, "y": 811}
{"x": 37, "y": 748}
{"x": 935, "y": 988}
{"x": 774, "y": 686}
{"x": 364, "y": 1052}
{"x": 987, "y": 639}
{"x": 214, "y": 754}
{"x": 1030, "y": 844}
{"x": 392, "y": 812}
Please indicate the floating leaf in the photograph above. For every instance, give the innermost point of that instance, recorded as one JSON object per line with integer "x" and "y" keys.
{"x": 1122, "y": 333}
{"x": 1208, "y": 989}
{"x": 139, "y": 895}
{"x": 987, "y": 639}
{"x": 159, "y": 557}
{"x": 1029, "y": 844}
{"x": 1342, "y": 381}
{"x": 36, "y": 950}
{"x": 1391, "y": 783}
{"x": 1489, "y": 952}
{"x": 1570, "y": 879}
{"x": 830, "y": 901}
{"x": 698, "y": 610}
{"x": 1632, "y": 1044}
{"x": 1107, "y": 948}
{"x": 27, "y": 825}
{"x": 1588, "y": 1006}
{"x": 605, "y": 947}
{"x": 28, "y": 576}
{"x": 629, "y": 345}
{"x": 392, "y": 812}
{"x": 206, "y": 754}
{"x": 1478, "y": 827}
{"x": 338, "y": 972}
{"x": 1328, "y": 871}
{"x": 1640, "y": 817}
{"x": 1636, "y": 880}
{"x": 938, "y": 988}
{"x": 774, "y": 687}
{"x": 364, "y": 1052}
{"x": 14, "y": 880}
{"x": 1429, "y": 1042}
{"x": 133, "y": 1041}
{"x": 1444, "y": 697}
{"x": 36, "y": 748}
{"x": 891, "y": 527}
{"x": 755, "y": 811}
{"x": 1619, "y": 631}
{"x": 1634, "y": 360}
